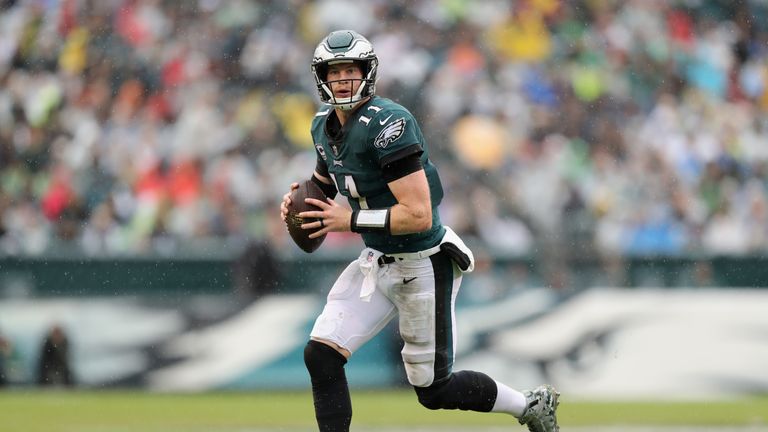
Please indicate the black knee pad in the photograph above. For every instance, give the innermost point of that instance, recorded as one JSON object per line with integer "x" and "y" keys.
{"x": 465, "y": 390}
{"x": 323, "y": 362}
{"x": 432, "y": 397}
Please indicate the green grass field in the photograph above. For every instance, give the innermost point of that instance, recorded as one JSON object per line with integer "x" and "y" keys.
{"x": 113, "y": 411}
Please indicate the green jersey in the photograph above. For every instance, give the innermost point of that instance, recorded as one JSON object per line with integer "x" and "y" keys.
{"x": 378, "y": 133}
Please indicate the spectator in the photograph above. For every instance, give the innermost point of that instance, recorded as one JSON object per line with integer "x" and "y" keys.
{"x": 55, "y": 367}
{"x": 256, "y": 272}
{"x": 5, "y": 353}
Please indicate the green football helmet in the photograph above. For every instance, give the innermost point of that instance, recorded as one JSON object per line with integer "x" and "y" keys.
{"x": 343, "y": 46}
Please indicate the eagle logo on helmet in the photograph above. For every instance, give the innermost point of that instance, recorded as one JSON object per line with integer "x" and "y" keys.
{"x": 391, "y": 132}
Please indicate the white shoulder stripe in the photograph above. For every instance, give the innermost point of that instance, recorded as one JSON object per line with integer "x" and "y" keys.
{"x": 322, "y": 113}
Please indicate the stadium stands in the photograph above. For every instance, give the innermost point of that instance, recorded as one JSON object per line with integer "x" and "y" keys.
{"x": 619, "y": 127}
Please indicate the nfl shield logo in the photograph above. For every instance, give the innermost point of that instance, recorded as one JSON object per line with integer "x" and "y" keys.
{"x": 370, "y": 256}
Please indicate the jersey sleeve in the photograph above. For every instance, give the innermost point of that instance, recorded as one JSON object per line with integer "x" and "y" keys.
{"x": 321, "y": 166}
{"x": 393, "y": 135}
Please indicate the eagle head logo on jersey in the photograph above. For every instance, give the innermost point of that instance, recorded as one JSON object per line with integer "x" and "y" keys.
{"x": 390, "y": 133}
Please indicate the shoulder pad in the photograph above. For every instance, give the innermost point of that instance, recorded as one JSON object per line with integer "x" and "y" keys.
{"x": 383, "y": 111}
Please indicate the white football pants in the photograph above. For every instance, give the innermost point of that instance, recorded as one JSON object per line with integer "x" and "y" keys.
{"x": 421, "y": 291}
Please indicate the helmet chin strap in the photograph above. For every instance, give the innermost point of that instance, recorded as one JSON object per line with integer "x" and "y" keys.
{"x": 347, "y": 106}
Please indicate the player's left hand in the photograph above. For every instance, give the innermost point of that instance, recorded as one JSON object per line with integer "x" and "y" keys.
{"x": 332, "y": 217}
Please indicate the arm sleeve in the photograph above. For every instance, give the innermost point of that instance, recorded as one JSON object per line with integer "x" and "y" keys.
{"x": 328, "y": 189}
{"x": 399, "y": 165}
{"x": 322, "y": 168}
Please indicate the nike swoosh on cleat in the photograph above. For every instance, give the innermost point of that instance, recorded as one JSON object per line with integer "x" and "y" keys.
{"x": 406, "y": 280}
{"x": 381, "y": 122}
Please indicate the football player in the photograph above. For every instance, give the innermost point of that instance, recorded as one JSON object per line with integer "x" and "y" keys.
{"x": 371, "y": 150}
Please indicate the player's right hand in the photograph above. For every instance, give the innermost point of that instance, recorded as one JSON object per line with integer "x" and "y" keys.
{"x": 287, "y": 201}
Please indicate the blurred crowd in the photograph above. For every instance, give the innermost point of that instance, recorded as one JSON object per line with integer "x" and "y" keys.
{"x": 585, "y": 127}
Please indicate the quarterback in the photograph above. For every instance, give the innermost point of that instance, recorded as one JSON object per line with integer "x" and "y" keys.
{"x": 371, "y": 150}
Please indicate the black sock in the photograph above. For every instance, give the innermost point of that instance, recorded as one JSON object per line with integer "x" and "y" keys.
{"x": 333, "y": 407}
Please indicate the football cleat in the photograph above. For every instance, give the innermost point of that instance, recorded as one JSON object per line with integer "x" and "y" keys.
{"x": 541, "y": 404}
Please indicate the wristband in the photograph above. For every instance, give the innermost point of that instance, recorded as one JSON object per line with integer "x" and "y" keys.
{"x": 370, "y": 221}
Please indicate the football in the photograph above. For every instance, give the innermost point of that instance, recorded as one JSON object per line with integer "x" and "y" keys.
{"x": 307, "y": 189}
